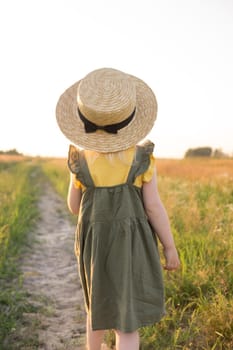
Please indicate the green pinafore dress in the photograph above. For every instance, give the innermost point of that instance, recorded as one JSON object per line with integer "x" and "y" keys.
{"x": 119, "y": 263}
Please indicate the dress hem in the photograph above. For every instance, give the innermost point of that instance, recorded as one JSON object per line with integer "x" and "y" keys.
{"x": 133, "y": 329}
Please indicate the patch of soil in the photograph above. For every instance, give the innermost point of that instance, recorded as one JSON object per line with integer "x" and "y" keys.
{"x": 50, "y": 274}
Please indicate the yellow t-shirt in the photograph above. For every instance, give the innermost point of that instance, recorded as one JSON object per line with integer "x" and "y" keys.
{"x": 113, "y": 169}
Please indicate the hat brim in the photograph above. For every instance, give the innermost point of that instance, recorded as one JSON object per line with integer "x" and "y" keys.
{"x": 101, "y": 141}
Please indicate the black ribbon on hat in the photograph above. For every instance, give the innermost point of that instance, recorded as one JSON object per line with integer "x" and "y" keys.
{"x": 110, "y": 128}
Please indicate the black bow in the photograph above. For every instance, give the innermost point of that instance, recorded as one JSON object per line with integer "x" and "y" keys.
{"x": 110, "y": 128}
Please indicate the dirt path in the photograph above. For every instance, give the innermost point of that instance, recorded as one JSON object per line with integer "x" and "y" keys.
{"x": 51, "y": 278}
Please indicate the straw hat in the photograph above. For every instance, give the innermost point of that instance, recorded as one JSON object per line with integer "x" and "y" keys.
{"x": 107, "y": 111}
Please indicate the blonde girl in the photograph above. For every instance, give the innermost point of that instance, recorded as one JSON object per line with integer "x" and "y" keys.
{"x": 113, "y": 191}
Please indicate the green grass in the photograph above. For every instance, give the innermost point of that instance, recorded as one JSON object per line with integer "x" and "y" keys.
{"x": 199, "y": 297}
{"x": 57, "y": 172}
{"x": 18, "y": 193}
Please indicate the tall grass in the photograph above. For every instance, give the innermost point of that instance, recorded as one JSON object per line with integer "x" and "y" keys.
{"x": 57, "y": 172}
{"x": 18, "y": 194}
{"x": 200, "y": 295}
{"x": 198, "y": 195}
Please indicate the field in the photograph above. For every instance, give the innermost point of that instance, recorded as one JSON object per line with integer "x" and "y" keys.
{"x": 198, "y": 195}
{"x": 18, "y": 212}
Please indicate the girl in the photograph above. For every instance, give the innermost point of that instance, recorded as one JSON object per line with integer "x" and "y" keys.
{"x": 113, "y": 190}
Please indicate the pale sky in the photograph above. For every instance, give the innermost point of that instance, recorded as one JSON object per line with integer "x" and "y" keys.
{"x": 183, "y": 49}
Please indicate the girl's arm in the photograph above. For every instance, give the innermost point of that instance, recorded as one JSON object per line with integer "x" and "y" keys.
{"x": 158, "y": 218}
{"x": 73, "y": 197}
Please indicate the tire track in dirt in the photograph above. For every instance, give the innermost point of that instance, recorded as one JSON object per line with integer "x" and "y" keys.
{"x": 51, "y": 278}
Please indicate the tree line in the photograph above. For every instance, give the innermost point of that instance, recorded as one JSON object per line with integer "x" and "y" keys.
{"x": 12, "y": 152}
{"x": 205, "y": 152}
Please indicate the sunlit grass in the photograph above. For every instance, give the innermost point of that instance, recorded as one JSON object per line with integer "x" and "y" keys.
{"x": 57, "y": 172}
{"x": 18, "y": 195}
{"x": 200, "y": 169}
{"x": 198, "y": 195}
{"x": 200, "y": 295}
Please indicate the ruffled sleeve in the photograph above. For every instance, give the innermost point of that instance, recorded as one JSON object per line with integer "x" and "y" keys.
{"x": 147, "y": 176}
{"x": 147, "y": 163}
{"x": 74, "y": 166}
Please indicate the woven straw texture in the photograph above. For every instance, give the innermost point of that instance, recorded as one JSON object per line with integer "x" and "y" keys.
{"x": 107, "y": 96}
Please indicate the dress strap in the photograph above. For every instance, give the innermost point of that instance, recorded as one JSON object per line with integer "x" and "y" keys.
{"x": 141, "y": 161}
{"x": 78, "y": 166}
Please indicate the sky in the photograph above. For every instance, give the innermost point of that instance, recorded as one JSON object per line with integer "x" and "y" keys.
{"x": 183, "y": 49}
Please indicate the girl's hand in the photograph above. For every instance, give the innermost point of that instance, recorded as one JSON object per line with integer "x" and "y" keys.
{"x": 172, "y": 259}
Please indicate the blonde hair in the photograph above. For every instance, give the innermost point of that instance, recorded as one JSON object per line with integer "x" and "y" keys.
{"x": 111, "y": 156}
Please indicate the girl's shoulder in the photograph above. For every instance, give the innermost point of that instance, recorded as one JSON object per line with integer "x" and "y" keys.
{"x": 110, "y": 169}
{"x": 146, "y": 147}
